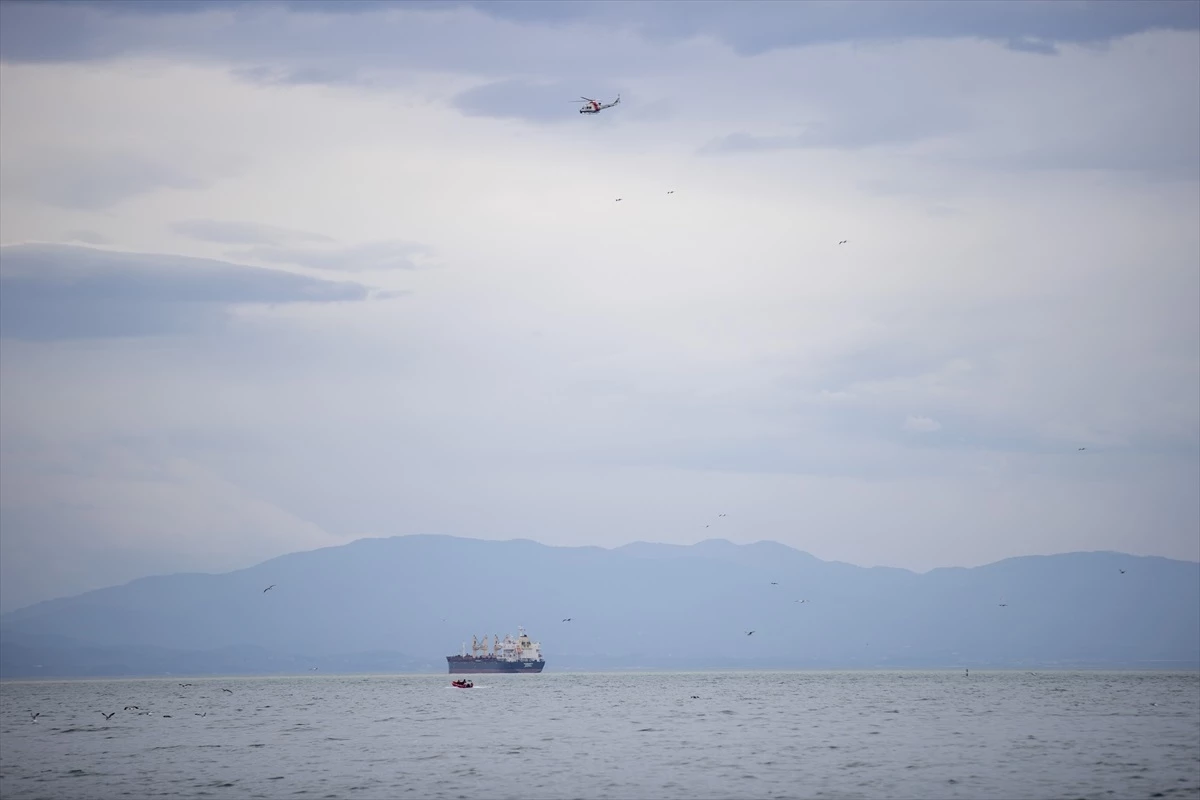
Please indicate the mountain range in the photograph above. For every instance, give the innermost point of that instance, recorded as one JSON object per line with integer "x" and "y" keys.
{"x": 402, "y": 604}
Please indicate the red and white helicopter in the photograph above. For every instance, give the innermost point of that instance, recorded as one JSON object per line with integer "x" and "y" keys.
{"x": 595, "y": 106}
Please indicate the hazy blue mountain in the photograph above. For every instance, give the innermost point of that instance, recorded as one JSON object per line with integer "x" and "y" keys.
{"x": 404, "y": 603}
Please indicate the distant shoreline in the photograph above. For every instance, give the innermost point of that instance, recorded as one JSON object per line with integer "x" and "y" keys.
{"x": 1166, "y": 668}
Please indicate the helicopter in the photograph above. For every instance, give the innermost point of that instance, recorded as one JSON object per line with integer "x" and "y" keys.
{"x": 595, "y": 106}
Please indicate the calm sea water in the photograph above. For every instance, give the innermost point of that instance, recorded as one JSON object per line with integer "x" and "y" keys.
{"x": 746, "y": 735}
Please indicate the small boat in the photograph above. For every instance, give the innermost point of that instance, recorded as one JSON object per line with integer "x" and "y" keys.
{"x": 462, "y": 684}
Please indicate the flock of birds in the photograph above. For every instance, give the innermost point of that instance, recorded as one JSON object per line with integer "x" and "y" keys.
{"x": 139, "y": 711}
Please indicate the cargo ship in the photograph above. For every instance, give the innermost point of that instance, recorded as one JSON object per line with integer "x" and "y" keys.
{"x": 507, "y": 655}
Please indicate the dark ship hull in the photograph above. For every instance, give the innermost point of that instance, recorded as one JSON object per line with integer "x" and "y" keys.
{"x": 479, "y": 665}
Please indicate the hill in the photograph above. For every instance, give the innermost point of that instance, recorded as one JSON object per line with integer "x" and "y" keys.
{"x": 404, "y": 603}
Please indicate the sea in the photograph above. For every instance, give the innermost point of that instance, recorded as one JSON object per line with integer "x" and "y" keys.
{"x": 627, "y": 736}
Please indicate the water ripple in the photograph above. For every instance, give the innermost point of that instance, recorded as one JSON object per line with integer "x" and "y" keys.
{"x": 601, "y": 736}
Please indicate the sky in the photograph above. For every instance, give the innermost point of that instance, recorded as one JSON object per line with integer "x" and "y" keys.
{"x": 279, "y": 276}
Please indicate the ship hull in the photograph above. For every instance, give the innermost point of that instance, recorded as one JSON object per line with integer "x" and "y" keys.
{"x": 460, "y": 665}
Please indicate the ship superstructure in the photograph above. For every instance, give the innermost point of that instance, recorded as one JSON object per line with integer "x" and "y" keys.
{"x": 521, "y": 654}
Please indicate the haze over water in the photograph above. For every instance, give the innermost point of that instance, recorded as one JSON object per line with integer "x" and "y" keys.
{"x": 747, "y": 735}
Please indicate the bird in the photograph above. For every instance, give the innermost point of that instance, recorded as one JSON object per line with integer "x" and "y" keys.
{"x": 1082, "y": 448}
{"x": 801, "y": 601}
{"x": 749, "y": 633}
{"x": 695, "y": 697}
{"x": 774, "y": 583}
{"x": 671, "y": 191}
{"x": 198, "y": 714}
{"x": 269, "y": 588}
{"x": 1002, "y": 605}
{"x": 227, "y": 690}
{"x": 617, "y": 200}
{"x": 107, "y": 716}
{"x": 568, "y": 619}
{"x": 33, "y": 717}
{"x": 843, "y": 241}
{"x": 131, "y": 708}
{"x": 1122, "y": 571}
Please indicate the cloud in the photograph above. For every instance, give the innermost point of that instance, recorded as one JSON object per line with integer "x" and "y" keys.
{"x": 759, "y": 26}
{"x": 921, "y": 425}
{"x": 274, "y": 43}
{"x": 1025, "y": 44}
{"x": 371, "y": 256}
{"x": 712, "y": 343}
{"x": 227, "y": 232}
{"x": 542, "y": 101}
{"x": 87, "y": 237}
{"x": 91, "y": 181}
{"x": 846, "y": 133}
{"x": 389, "y": 294}
{"x": 341, "y": 75}
{"x": 65, "y": 292}
{"x": 749, "y": 28}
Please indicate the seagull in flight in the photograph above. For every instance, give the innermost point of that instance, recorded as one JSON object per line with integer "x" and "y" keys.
{"x": 269, "y": 588}
{"x": 1122, "y": 571}
{"x": 227, "y": 690}
{"x": 107, "y": 716}
{"x": 843, "y": 241}
{"x": 749, "y": 633}
{"x": 568, "y": 619}
{"x": 33, "y": 717}
{"x": 671, "y": 191}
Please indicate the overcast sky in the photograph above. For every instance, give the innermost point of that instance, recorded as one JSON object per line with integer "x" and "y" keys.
{"x": 281, "y": 276}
